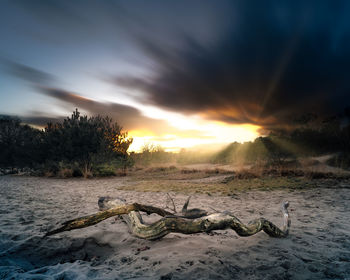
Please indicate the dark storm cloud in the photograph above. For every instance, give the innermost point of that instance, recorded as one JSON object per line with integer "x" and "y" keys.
{"x": 261, "y": 62}
{"x": 66, "y": 23}
{"x": 27, "y": 73}
{"x": 53, "y": 12}
{"x": 40, "y": 121}
{"x": 129, "y": 117}
{"x": 278, "y": 59}
{"x": 37, "y": 120}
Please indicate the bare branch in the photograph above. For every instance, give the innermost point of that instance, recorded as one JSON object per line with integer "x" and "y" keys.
{"x": 172, "y": 201}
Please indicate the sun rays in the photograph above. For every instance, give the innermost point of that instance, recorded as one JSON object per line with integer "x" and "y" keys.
{"x": 197, "y": 132}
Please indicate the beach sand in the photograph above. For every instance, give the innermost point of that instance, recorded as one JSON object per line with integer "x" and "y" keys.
{"x": 318, "y": 246}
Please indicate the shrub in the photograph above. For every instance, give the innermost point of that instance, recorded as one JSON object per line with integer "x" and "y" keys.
{"x": 19, "y": 144}
{"x": 65, "y": 149}
{"x": 65, "y": 173}
{"x": 341, "y": 160}
{"x": 104, "y": 170}
{"x": 86, "y": 141}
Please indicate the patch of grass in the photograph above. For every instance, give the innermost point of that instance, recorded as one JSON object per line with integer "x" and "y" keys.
{"x": 217, "y": 171}
{"x": 104, "y": 170}
{"x": 169, "y": 173}
{"x": 268, "y": 183}
{"x": 238, "y": 185}
{"x": 189, "y": 171}
{"x": 214, "y": 182}
{"x": 161, "y": 169}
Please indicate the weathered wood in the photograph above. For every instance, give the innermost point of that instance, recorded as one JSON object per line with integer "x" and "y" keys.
{"x": 192, "y": 213}
{"x": 93, "y": 219}
{"x": 172, "y": 223}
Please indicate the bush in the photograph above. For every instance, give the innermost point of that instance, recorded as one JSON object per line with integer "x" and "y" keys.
{"x": 104, "y": 170}
{"x": 50, "y": 168}
{"x": 341, "y": 160}
{"x": 152, "y": 155}
{"x": 65, "y": 149}
{"x": 19, "y": 144}
{"x": 65, "y": 173}
{"x": 87, "y": 141}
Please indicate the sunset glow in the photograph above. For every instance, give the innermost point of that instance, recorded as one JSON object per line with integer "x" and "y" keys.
{"x": 174, "y": 74}
{"x": 208, "y": 133}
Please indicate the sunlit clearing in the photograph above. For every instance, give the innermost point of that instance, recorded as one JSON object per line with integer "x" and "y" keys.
{"x": 199, "y": 133}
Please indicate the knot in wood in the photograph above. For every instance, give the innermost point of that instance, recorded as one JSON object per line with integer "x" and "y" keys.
{"x": 206, "y": 224}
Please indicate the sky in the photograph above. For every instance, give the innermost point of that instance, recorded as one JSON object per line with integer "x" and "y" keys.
{"x": 176, "y": 73}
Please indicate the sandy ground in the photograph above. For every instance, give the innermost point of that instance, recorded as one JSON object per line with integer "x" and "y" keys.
{"x": 318, "y": 246}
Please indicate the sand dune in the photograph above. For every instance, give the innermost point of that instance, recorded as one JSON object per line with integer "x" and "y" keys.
{"x": 318, "y": 246}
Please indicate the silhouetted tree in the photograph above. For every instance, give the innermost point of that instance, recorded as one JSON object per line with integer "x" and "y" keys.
{"x": 86, "y": 141}
{"x": 19, "y": 144}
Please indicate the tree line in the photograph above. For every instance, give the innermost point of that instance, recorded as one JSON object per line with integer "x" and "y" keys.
{"x": 308, "y": 135}
{"x": 87, "y": 146}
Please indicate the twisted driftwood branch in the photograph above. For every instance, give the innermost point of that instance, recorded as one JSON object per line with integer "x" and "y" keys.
{"x": 191, "y": 221}
{"x": 96, "y": 218}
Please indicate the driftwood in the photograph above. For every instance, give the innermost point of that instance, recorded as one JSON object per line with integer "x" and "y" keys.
{"x": 187, "y": 222}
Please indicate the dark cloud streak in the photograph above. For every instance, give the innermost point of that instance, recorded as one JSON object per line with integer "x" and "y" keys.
{"x": 129, "y": 117}
{"x": 27, "y": 73}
